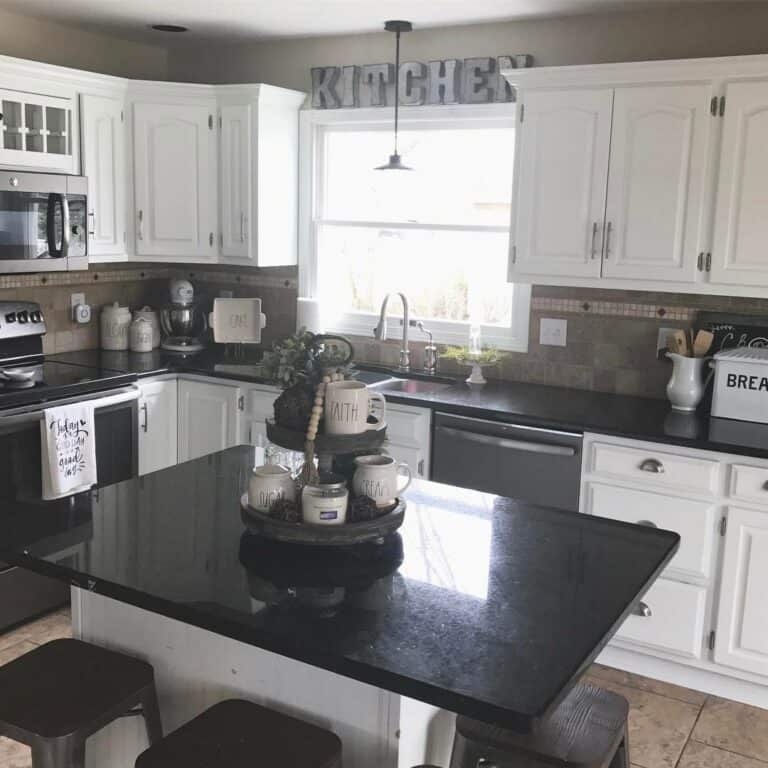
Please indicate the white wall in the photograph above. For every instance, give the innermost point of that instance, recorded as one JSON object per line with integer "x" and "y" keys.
{"x": 68, "y": 46}
{"x": 672, "y": 31}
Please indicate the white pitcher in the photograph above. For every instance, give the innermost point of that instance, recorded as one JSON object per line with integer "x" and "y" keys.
{"x": 686, "y": 387}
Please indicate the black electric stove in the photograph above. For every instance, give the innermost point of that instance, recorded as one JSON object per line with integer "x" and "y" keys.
{"x": 26, "y": 377}
{"x": 28, "y": 385}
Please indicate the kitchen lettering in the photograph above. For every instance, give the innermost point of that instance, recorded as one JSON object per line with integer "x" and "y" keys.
{"x": 344, "y": 412}
{"x": 753, "y": 383}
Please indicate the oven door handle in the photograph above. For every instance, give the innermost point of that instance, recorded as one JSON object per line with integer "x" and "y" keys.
{"x": 30, "y": 414}
{"x": 504, "y": 442}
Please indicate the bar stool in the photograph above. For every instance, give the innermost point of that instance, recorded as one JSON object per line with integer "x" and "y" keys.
{"x": 588, "y": 730}
{"x": 236, "y": 733}
{"x": 54, "y": 697}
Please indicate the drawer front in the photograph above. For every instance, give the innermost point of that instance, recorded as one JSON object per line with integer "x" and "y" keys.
{"x": 749, "y": 483}
{"x": 676, "y": 621}
{"x": 664, "y": 470}
{"x": 695, "y": 521}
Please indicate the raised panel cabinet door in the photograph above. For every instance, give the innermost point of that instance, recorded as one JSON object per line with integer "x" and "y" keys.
{"x": 208, "y": 418}
{"x": 236, "y": 175}
{"x": 175, "y": 180}
{"x": 103, "y": 137}
{"x": 158, "y": 426}
{"x": 742, "y": 622}
{"x": 655, "y": 209}
{"x": 562, "y": 173}
{"x": 739, "y": 255}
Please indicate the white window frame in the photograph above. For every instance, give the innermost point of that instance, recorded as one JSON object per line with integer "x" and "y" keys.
{"x": 313, "y": 124}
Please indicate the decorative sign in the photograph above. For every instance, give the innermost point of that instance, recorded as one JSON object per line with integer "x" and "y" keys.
{"x": 449, "y": 81}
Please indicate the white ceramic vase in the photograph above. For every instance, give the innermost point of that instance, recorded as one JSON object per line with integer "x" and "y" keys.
{"x": 686, "y": 386}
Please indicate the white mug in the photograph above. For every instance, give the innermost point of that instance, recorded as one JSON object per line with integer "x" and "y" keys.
{"x": 268, "y": 484}
{"x": 348, "y": 405}
{"x": 376, "y": 477}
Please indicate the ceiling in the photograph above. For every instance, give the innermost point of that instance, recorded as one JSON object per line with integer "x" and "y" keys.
{"x": 260, "y": 19}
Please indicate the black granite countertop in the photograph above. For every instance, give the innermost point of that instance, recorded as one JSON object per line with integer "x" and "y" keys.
{"x": 529, "y": 404}
{"x": 480, "y": 604}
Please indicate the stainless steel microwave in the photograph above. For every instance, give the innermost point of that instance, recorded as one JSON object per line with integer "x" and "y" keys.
{"x": 43, "y": 222}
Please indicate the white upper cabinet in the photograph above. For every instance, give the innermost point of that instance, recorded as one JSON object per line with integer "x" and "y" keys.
{"x": 175, "y": 180}
{"x": 259, "y": 160}
{"x": 739, "y": 254}
{"x": 235, "y": 149}
{"x": 561, "y": 177}
{"x": 37, "y": 132}
{"x": 103, "y": 153}
{"x": 655, "y": 210}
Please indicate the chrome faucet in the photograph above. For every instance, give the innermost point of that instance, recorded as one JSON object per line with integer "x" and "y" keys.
{"x": 380, "y": 331}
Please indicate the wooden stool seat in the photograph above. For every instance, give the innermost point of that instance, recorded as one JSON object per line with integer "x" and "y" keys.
{"x": 588, "y": 730}
{"x": 236, "y": 733}
{"x": 57, "y": 695}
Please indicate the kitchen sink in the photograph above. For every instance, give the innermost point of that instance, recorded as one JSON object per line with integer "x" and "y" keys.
{"x": 374, "y": 378}
{"x": 411, "y": 386}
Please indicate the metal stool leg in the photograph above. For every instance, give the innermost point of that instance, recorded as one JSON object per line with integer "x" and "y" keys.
{"x": 621, "y": 758}
{"x": 151, "y": 711}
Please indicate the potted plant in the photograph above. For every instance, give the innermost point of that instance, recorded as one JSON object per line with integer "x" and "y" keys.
{"x": 477, "y": 360}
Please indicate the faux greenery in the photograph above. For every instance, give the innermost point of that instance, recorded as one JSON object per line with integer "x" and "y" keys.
{"x": 304, "y": 357}
{"x": 462, "y": 355}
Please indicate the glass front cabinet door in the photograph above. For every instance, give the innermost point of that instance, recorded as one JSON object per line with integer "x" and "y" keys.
{"x": 36, "y": 131}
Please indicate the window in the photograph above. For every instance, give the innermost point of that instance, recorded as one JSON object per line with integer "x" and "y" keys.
{"x": 439, "y": 234}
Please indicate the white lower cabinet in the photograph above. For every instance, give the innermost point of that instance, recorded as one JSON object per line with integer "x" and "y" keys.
{"x": 209, "y": 417}
{"x": 259, "y": 406}
{"x": 158, "y": 424}
{"x": 409, "y": 436}
{"x": 706, "y": 626}
{"x": 742, "y": 624}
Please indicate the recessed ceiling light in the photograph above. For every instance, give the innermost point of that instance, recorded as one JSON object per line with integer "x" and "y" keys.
{"x": 169, "y": 28}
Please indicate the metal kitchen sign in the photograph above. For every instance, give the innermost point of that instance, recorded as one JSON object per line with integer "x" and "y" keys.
{"x": 449, "y": 81}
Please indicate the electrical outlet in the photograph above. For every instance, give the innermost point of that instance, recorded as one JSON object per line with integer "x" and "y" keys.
{"x": 661, "y": 341}
{"x": 553, "y": 332}
{"x": 225, "y": 293}
{"x": 75, "y": 299}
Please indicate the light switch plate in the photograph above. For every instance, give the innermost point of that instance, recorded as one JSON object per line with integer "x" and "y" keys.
{"x": 553, "y": 332}
{"x": 75, "y": 299}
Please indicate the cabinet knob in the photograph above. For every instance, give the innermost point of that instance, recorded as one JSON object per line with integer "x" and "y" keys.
{"x": 647, "y": 523}
{"x": 654, "y": 466}
{"x": 642, "y": 609}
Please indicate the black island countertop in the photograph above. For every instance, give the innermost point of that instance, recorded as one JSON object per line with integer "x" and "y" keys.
{"x": 480, "y": 604}
{"x": 536, "y": 405}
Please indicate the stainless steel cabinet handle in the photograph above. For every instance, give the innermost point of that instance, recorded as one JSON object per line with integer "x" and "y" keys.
{"x": 241, "y": 403}
{"x": 420, "y": 469}
{"x": 242, "y": 227}
{"x": 654, "y": 466}
{"x": 765, "y": 485}
{"x": 642, "y": 609}
{"x": 145, "y": 425}
{"x": 92, "y": 217}
{"x": 503, "y": 442}
{"x": 593, "y": 252}
{"x": 647, "y": 523}
{"x": 608, "y": 231}
{"x": 140, "y": 230}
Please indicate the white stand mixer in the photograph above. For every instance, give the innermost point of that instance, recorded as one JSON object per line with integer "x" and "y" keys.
{"x": 182, "y": 321}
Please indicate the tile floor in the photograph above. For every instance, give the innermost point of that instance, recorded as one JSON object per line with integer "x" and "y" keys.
{"x": 670, "y": 726}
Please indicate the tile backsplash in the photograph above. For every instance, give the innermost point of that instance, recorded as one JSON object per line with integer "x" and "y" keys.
{"x": 611, "y": 335}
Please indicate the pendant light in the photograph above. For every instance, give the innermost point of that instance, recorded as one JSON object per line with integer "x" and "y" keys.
{"x": 395, "y": 161}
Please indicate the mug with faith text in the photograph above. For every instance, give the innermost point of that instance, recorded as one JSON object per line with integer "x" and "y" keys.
{"x": 348, "y": 405}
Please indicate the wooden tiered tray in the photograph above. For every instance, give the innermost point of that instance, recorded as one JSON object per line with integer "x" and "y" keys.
{"x": 344, "y": 535}
{"x": 370, "y": 440}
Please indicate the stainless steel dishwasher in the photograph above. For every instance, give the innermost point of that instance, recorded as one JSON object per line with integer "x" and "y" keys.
{"x": 539, "y": 466}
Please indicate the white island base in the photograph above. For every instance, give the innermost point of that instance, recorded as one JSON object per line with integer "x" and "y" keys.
{"x": 195, "y": 668}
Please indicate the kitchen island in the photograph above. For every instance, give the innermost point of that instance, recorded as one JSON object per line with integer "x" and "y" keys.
{"x": 479, "y": 605}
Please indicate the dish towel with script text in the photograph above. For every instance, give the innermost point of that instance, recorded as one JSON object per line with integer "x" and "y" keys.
{"x": 68, "y": 450}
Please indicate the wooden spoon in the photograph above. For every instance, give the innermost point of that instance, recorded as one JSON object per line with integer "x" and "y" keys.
{"x": 703, "y": 343}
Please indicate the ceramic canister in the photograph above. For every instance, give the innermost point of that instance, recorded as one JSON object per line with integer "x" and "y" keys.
{"x": 149, "y": 314}
{"x": 376, "y": 477}
{"x": 115, "y": 321}
{"x": 268, "y": 484}
{"x": 140, "y": 335}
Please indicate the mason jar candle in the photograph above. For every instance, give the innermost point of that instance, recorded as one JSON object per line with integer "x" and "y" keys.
{"x": 326, "y": 502}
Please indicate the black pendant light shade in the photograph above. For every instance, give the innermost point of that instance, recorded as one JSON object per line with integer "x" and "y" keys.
{"x": 395, "y": 161}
